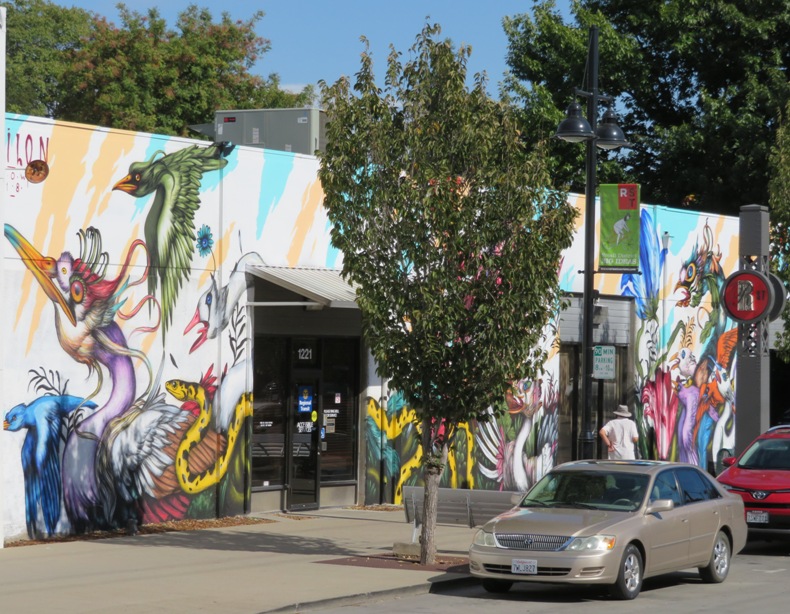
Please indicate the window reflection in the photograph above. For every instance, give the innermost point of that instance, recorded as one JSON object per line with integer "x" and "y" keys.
{"x": 269, "y": 412}
{"x": 339, "y": 410}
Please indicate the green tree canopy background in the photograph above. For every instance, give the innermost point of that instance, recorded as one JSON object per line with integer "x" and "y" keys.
{"x": 699, "y": 86}
{"x": 69, "y": 64}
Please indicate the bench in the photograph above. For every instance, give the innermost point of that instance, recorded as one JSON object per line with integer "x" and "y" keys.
{"x": 457, "y": 506}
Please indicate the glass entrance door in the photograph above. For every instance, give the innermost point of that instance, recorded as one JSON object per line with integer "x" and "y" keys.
{"x": 305, "y": 416}
{"x": 304, "y": 419}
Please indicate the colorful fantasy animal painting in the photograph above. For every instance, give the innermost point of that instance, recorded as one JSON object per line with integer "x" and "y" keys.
{"x": 142, "y": 305}
{"x": 147, "y": 432}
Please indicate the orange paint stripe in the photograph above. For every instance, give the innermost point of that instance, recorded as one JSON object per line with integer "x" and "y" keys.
{"x": 311, "y": 201}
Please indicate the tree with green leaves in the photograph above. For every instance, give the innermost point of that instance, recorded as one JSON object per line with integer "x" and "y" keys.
{"x": 145, "y": 76}
{"x": 73, "y": 65}
{"x": 699, "y": 87}
{"x": 39, "y": 38}
{"x": 450, "y": 234}
{"x": 779, "y": 204}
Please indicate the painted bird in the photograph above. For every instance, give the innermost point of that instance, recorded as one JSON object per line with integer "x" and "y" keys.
{"x": 716, "y": 389}
{"x": 169, "y": 226}
{"x": 119, "y": 459}
{"x": 89, "y": 334}
{"x": 216, "y": 305}
{"x": 43, "y": 419}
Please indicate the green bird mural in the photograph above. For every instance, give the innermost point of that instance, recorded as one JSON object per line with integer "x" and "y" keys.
{"x": 170, "y": 226}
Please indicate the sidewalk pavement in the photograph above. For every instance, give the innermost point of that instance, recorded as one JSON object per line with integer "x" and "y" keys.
{"x": 267, "y": 567}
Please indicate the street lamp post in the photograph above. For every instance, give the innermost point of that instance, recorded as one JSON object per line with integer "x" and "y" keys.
{"x": 606, "y": 135}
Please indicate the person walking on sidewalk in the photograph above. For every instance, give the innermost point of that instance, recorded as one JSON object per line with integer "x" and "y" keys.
{"x": 619, "y": 434}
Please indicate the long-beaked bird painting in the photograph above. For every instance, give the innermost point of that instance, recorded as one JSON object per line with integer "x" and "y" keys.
{"x": 169, "y": 226}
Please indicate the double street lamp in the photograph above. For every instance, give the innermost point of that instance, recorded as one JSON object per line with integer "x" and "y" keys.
{"x": 606, "y": 135}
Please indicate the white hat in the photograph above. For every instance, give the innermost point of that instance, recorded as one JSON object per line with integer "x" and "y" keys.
{"x": 622, "y": 410}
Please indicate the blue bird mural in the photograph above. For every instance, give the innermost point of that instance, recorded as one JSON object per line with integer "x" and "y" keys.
{"x": 44, "y": 419}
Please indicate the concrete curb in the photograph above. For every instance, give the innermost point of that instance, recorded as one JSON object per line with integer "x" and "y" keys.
{"x": 346, "y": 600}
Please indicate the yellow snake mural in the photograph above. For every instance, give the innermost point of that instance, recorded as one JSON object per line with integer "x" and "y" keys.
{"x": 459, "y": 466}
{"x": 190, "y": 391}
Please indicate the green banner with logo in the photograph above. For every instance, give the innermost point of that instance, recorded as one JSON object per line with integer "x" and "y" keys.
{"x": 619, "y": 233}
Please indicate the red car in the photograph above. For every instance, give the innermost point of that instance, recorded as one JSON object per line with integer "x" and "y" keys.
{"x": 761, "y": 476}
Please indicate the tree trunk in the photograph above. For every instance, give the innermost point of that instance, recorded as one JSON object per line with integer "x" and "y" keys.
{"x": 432, "y": 473}
{"x": 428, "y": 535}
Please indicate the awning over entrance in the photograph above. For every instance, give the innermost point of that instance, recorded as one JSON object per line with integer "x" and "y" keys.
{"x": 326, "y": 288}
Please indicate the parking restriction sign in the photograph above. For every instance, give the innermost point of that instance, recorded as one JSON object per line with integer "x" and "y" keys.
{"x": 603, "y": 361}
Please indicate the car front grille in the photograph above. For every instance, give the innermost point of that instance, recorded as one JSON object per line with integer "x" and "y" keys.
{"x": 762, "y": 505}
{"x": 530, "y": 541}
{"x": 542, "y": 571}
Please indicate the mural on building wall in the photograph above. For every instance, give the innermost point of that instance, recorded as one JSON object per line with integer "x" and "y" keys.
{"x": 174, "y": 179}
{"x": 518, "y": 448}
{"x": 46, "y": 421}
{"x": 394, "y": 454}
{"x": 126, "y": 373}
{"x": 136, "y": 457}
{"x": 509, "y": 452}
{"x": 683, "y": 391}
{"x": 130, "y": 367}
{"x": 684, "y": 373}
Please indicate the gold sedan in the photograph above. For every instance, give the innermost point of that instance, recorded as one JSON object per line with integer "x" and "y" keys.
{"x": 613, "y": 523}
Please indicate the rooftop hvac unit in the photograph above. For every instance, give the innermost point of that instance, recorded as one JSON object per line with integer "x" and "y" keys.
{"x": 295, "y": 130}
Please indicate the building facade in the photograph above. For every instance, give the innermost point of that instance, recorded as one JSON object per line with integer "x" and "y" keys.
{"x": 178, "y": 342}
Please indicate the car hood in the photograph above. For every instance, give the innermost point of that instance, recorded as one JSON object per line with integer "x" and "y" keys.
{"x": 755, "y": 479}
{"x": 555, "y": 521}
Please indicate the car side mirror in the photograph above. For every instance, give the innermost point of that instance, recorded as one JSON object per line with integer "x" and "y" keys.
{"x": 729, "y": 461}
{"x": 660, "y": 505}
{"x": 516, "y": 498}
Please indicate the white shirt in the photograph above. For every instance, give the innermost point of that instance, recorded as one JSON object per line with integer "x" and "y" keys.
{"x": 621, "y": 432}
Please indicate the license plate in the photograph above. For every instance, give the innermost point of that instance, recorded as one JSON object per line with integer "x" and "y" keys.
{"x": 757, "y": 517}
{"x": 524, "y": 566}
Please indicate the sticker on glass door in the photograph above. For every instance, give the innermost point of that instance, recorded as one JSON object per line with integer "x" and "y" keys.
{"x": 305, "y": 399}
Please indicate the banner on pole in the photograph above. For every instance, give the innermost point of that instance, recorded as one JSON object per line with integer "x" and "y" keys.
{"x": 619, "y": 234}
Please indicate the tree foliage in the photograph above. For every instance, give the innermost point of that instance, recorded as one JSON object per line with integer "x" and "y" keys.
{"x": 449, "y": 232}
{"x": 39, "y": 38}
{"x": 779, "y": 204}
{"x": 699, "y": 86}
{"x": 140, "y": 75}
{"x": 144, "y": 76}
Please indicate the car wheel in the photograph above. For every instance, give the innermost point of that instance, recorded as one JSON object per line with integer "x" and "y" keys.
{"x": 497, "y": 586}
{"x": 629, "y": 579}
{"x": 719, "y": 566}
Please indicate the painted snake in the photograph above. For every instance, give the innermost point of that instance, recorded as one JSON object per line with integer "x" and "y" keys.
{"x": 189, "y": 391}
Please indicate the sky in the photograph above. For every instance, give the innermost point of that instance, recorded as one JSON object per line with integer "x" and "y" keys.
{"x": 313, "y": 40}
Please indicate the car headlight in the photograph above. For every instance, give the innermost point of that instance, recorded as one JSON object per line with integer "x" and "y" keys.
{"x": 596, "y": 543}
{"x": 731, "y": 488}
{"x": 484, "y": 538}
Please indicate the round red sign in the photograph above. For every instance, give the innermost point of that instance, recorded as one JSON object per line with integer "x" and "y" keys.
{"x": 748, "y": 296}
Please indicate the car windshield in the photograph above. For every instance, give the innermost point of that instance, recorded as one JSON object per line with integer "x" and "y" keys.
{"x": 617, "y": 491}
{"x": 767, "y": 454}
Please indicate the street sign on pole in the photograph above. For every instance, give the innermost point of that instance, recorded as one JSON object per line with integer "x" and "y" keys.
{"x": 603, "y": 361}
